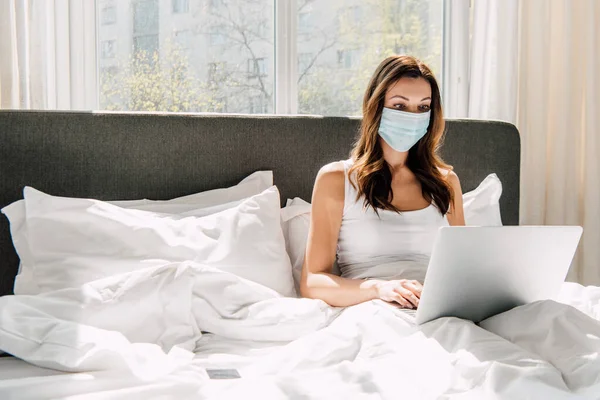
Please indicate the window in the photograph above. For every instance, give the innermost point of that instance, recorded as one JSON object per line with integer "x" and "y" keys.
{"x": 110, "y": 71}
{"x": 145, "y": 29}
{"x": 231, "y": 45}
{"x": 211, "y": 75}
{"x": 107, "y": 49}
{"x": 257, "y": 67}
{"x": 263, "y": 30}
{"x": 217, "y": 36}
{"x": 108, "y": 15}
{"x": 304, "y": 61}
{"x": 215, "y": 3}
{"x": 348, "y": 40}
{"x": 348, "y": 59}
{"x": 147, "y": 44}
{"x": 304, "y": 21}
{"x": 180, "y": 6}
{"x": 145, "y": 16}
{"x": 216, "y": 71}
{"x": 258, "y": 105}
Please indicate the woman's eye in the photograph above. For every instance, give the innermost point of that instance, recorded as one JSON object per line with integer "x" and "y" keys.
{"x": 425, "y": 107}
{"x": 400, "y": 106}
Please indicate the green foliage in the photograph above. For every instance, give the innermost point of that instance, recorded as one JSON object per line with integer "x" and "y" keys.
{"x": 147, "y": 82}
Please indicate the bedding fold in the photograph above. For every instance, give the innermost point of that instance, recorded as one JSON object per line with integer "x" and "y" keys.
{"x": 159, "y": 324}
{"x": 165, "y": 307}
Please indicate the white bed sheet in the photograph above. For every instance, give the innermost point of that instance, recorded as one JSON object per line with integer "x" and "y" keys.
{"x": 14, "y": 368}
{"x": 20, "y": 380}
{"x": 369, "y": 351}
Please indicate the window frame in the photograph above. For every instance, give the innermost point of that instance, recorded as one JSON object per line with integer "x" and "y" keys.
{"x": 257, "y": 67}
{"x": 285, "y": 59}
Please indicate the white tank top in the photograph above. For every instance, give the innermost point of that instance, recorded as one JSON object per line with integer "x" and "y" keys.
{"x": 388, "y": 246}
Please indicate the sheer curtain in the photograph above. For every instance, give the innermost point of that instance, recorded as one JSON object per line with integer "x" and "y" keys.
{"x": 480, "y": 59}
{"x": 559, "y": 117}
{"x": 535, "y": 63}
{"x": 493, "y": 70}
{"x": 48, "y": 50}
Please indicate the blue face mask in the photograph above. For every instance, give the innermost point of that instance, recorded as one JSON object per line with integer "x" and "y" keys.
{"x": 401, "y": 129}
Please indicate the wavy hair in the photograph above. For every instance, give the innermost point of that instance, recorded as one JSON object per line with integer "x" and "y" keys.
{"x": 372, "y": 175}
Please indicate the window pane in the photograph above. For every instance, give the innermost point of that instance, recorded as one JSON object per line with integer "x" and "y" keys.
{"x": 341, "y": 42}
{"x": 181, "y": 55}
{"x": 147, "y": 44}
{"x": 180, "y": 6}
{"x": 145, "y": 16}
{"x": 107, "y": 49}
{"x": 108, "y": 15}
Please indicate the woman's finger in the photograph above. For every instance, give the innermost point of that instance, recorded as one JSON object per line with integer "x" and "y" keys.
{"x": 408, "y": 295}
{"x": 402, "y": 301}
{"x": 394, "y": 304}
{"x": 412, "y": 288}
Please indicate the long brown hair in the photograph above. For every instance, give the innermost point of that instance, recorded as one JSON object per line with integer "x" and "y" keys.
{"x": 373, "y": 174}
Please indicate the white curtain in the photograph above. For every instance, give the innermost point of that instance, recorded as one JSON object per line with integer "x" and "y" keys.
{"x": 48, "y": 54}
{"x": 480, "y": 48}
{"x": 559, "y": 119}
{"x": 492, "y": 63}
{"x": 535, "y": 63}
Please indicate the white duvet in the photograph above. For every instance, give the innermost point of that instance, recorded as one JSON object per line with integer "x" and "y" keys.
{"x": 135, "y": 335}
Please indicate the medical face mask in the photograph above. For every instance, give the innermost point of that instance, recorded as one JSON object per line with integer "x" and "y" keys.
{"x": 401, "y": 129}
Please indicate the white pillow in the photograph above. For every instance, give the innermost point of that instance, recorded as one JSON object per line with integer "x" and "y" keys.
{"x": 73, "y": 241}
{"x": 481, "y": 207}
{"x": 296, "y": 220}
{"x": 212, "y": 200}
{"x": 203, "y": 203}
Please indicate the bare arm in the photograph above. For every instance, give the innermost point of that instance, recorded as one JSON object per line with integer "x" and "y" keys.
{"x": 456, "y": 214}
{"x": 326, "y": 219}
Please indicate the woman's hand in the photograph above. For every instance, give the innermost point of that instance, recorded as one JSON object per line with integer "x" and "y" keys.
{"x": 403, "y": 291}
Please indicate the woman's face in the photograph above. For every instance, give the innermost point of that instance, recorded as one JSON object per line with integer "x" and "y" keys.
{"x": 409, "y": 94}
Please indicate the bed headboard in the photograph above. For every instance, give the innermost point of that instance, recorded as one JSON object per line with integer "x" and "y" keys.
{"x": 112, "y": 156}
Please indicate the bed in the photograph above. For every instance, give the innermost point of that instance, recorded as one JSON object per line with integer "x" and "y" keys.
{"x": 233, "y": 334}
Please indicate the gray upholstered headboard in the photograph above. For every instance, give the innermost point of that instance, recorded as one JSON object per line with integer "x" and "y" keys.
{"x": 112, "y": 156}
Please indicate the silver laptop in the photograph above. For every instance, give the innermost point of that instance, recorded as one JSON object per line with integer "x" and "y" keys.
{"x": 477, "y": 272}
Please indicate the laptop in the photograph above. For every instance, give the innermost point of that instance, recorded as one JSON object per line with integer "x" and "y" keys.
{"x": 477, "y": 272}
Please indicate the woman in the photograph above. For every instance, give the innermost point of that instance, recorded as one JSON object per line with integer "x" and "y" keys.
{"x": 387, "y": 202}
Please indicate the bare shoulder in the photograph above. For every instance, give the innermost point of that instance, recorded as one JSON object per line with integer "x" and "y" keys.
{"x": 331, "y": 173}
{"x": 330, "y": 181}
{"x": 337, "y": 166}
{"x": 451, "y": 177}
